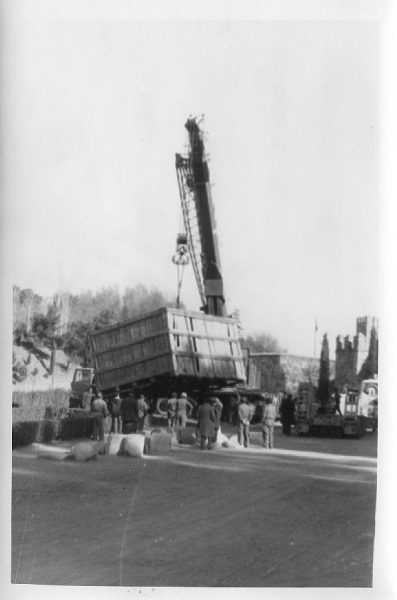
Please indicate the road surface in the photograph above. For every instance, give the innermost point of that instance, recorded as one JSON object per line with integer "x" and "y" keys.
{"x": 227, "y": 517}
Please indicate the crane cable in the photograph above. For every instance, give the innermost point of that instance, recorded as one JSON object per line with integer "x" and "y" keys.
{"x": 181, "y": 257}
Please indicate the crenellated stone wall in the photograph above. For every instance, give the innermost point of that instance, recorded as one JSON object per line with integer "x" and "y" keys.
{"x": 352, "y": 352}
{"x": 281, "y": 372}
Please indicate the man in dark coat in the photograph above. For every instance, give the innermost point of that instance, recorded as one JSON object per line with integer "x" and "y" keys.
{"x": 218, "y": 407}
{"x": 287, "y": 414}
{"x": 129, "y": 414}
{"x": 205, "y": 423}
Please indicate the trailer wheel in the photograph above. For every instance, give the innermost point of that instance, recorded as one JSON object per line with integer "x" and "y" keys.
{"x": 161, "y": 406}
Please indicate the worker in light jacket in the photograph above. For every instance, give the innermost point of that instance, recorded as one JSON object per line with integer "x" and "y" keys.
{"x": 142, "y": 410}
{"x": 182, "y": 405}
{"x": 268, "y": 420}
{"x": 171, "y": 410}
{"x": 99, "y": 412}
{"x": 244, "y": 419}
{"x": 115, "y": 411}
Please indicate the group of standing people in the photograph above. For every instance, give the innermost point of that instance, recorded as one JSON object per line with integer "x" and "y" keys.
{"x": 245, "y": 414}
{"x": 208, "y": 416}
{"x": 127, "y": 414}
{"x": 177, "y": 410}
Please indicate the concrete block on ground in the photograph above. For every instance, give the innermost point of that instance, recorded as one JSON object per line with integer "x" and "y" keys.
{"x": 160, "y": 442}
{"x": 50, "y": 452}
{"x": 113, "y": 442}
{"x": 256, "y": 438}
{"x": 132, "y": 445}
{"x": 187, "y": 436}
{"x": 84, "y": 451}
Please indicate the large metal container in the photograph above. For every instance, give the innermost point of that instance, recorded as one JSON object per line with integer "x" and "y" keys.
{"x": 168, "y": 342}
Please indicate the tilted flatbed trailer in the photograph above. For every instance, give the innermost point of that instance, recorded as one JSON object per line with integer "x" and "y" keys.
{"x": 165, "y": 351}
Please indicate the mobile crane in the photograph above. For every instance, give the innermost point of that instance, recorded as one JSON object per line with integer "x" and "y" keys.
{"x": 172, "y": 349}
{"x": 199, "y": 220}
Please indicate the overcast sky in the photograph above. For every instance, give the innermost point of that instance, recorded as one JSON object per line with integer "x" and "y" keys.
{"x": 96, "y": 113}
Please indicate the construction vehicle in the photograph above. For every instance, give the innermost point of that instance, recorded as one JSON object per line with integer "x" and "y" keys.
{"x": 199, "y": 220}
{"x": 350, "y": 423}
{"x": 174, "y": 350}
{"x": 369, "y": 402}
{"x": 315, "y": 419}
{"x": 83, "y": 380}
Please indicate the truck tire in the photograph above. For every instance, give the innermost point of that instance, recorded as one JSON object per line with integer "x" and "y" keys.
{"x": 161, "y": 406}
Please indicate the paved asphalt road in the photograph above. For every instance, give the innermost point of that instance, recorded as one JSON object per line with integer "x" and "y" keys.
{"x": 227, "y": 517}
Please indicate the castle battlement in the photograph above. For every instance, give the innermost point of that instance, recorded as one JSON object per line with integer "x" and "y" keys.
{"x": 353, "y": 353}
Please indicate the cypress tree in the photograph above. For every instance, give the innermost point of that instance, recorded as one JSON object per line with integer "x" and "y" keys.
{"x": 323, "y": 380}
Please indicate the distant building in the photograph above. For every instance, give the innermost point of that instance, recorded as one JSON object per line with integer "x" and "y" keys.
{"x": 355, "y": 359}
{"x": 280, "y": 371}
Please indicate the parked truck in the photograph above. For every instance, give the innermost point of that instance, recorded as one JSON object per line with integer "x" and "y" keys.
{"x": 314, "y": 419}
{"x": 369, "y": 402}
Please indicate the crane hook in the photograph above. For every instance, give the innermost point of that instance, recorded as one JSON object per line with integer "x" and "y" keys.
{"x": 181, "y": 256}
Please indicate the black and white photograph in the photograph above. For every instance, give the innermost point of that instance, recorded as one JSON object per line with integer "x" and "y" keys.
{"x": 196, "y": 290}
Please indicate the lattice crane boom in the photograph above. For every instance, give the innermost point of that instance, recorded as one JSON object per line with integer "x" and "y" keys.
{"x": 199, "y": 220}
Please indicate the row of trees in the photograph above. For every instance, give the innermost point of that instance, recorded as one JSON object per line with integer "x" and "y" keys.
{"x": 64, "y": 321}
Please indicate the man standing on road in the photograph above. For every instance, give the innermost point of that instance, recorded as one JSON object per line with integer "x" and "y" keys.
{"x": 218, "y": 407}
{"x": 100, "y": 412}
{"x": 171, "y": 410}
{"x": 205, "y": 423}
{"x": 182, "y": 404}
{"x": 287, "y": 414}
{"x": 142, "y": 410}
{"x": 114, "y": 409}
{"x": 244, "y": 418}
{"x": 268, "y": 420}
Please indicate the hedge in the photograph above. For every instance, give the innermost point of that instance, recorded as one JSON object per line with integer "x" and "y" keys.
{"x": 27, "y": 432}
{"x": 76, "y": 426}
{"x": 44, "y": 431}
